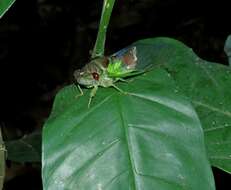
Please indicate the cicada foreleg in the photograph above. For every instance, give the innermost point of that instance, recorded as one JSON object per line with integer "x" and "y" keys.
{"x": 122, "y": 80}
{"x": 119, "y": 89}
{"x": 80, "y": 90}
{"x": 92, "y": 94}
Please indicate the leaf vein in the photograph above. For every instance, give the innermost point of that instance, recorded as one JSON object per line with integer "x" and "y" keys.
{"x": 209, "y": 75}
{"x": 216, "y": 128}
{"x": 221, "y": 142}
{"x": 158, "y": 102}
{"x": 220, "y": 157}
{"x": 161, "y": 179}
{"x": 215, "y": 109}
{"x": 114, "y": 178}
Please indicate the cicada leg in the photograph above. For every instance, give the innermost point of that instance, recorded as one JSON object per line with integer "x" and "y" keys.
{"x": 119, "y": 89}
{"x": 80, "y": 90}
{"x": 92, "y": 94}
{"x": 122, "y": 80}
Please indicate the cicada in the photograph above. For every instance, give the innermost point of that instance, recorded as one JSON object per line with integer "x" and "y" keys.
{"x": 106, "y": 71}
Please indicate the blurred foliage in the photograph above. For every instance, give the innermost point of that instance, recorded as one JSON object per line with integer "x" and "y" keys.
{"x": 227, "y": 48}
{"x": 2, "y": 161}
{"x": 25, "y": 149}
{"x": 43, "y": 41}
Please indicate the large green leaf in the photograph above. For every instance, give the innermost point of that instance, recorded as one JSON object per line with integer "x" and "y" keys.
{"x": 25, "y": 149}
{"x": 5, "y": 5}
{"x": 148, "y": 139}
{"x": 206, "y": 84}
{"x": 2, "y": 161}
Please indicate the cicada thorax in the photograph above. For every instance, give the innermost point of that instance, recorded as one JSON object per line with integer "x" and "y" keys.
{"x": 102, "y": 62}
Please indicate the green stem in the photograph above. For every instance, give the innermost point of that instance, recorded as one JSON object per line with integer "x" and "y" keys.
{"x": 98, "y": 50}
{"x": 4, "y": 6}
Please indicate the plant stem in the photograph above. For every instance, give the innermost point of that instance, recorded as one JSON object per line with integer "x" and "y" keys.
{"x": 4, "y": 6}
{"x": 98, "y": 50}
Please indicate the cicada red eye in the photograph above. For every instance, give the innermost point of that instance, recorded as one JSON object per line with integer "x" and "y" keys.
{"x": 95, "y": 76}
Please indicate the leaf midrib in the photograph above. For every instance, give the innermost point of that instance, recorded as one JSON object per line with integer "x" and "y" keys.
{"x": 127, "y": 139}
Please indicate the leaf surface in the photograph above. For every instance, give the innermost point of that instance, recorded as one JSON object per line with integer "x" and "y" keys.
{"x": 148, "y": 139}
{"x": 206, "y": 84}
{"x": 26, "y": 149}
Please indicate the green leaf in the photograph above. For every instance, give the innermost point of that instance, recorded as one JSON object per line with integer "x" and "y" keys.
{"x": 26, "y": 149}
{"x": 5, "y": 5}
{"x": 148, "y": 139}
{"x": 227, "y": 48}
{"x": 2, "y": 161}
{"x": 206, "y": 84}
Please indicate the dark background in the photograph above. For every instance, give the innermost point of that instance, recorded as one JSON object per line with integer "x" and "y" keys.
{"x": 43, "y": 41}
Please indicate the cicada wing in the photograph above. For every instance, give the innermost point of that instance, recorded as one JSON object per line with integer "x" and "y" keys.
{"x": 127, "y": 56}
{"x": 121, "y": 52}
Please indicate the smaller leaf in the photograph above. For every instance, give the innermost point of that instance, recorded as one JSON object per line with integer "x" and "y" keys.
{"x": 2, "y": 161}
{"x": 26, "y": 149}
{"x": 4, "y": 6}
{"x": 227, "y": 48}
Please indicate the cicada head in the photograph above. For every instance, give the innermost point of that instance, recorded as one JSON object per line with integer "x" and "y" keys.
{"x": 89, "y": 75}
{"x": 92, "y": 74}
